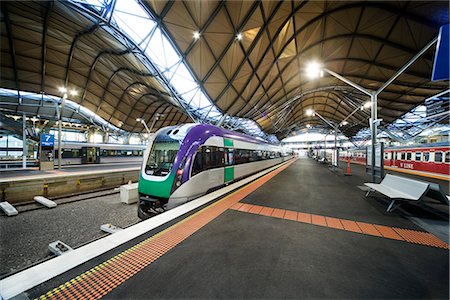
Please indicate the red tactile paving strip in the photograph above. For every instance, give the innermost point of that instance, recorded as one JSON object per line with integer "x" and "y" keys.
{"x": 278, "y": 213}
{"x": 266, "y": 211}
{"x": 334, "y": 223}
{"x": 422, "y": 238}
{"x": 106, "y": 276}
{"x": 304, "y": 218}
{"x": 406, "y": 235}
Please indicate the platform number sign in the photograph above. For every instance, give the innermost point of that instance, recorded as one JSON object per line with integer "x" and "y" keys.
{"x": 47, "y": 140}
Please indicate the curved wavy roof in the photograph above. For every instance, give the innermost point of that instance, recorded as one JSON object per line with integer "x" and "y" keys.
{"x": 47, "y": 45}
{"x": 260, "y": 76}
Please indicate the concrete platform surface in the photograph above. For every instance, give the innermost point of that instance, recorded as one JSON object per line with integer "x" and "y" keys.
{"x": 275, "y": 238}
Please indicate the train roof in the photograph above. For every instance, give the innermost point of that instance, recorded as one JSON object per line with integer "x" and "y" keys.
{"x": 428, "y": 145}
{"x": 196, "y": 130}
{"x": 102, "y": 146}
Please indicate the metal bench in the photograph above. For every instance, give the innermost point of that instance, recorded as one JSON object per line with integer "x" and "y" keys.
{"x": 399, "y": 188}
{"x": 436, "y": 192}
{"x": 322, "y": 160}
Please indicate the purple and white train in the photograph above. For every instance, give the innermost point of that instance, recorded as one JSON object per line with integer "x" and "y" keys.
{"x": 186, "y": 161}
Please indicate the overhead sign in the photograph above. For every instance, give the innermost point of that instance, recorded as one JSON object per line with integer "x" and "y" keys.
{"x": 441, "y": 59}
{"x": 47, "y": 140}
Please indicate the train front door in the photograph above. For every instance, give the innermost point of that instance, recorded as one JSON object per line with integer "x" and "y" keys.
{"x": 90, "y": 155}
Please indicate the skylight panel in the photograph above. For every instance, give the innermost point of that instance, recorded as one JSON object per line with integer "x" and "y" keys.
{"x": 132, "y": 19}
{"x": 183, "y": 82}
{"x": 96, "y": 4}
{"x": 161, "y": 51}
{"x": 201, "y": 100}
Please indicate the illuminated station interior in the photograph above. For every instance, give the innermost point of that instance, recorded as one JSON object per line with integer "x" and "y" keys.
{"x": 203, "y": 149}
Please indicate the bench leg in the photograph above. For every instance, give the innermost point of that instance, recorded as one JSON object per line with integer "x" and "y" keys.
{"x": 368, "y": 192}
{"x": 390, "y": 206}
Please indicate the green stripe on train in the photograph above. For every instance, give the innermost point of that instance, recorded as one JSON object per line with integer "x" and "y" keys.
{"x": 229, "y": 174}
{"x": 228, "y": 143}
{"x": 156, "y": 188}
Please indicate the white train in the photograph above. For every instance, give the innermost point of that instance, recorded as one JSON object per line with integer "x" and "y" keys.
{"x": 187, "y": 161}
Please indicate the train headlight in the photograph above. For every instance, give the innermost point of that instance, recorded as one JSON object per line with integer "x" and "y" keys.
{"x": 178, "y": 176}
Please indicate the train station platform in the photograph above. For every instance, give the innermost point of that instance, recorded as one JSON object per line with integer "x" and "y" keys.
{"x": 299, "y": 231}
{"x": 20, "y": 186}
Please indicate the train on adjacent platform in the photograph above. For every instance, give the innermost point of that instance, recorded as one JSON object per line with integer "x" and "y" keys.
{"x": 77, "y": 153}
{"x": 74, "y": 153}
{"x": 432, "y": 159}
{"x": 186, "y": 161}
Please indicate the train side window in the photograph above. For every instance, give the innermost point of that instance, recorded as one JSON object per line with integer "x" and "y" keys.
{"x": 403, "y": 156}
{"x": 426, "y": 156}
{"x": 399, "y": 155}
{"x": 229, "y": 157}
{"x": 418, "y": 156}
{"x": 438, "y": 157}
{"x": 217, "y": 159}
{"x": 197, "y": 166}
{"x": 447, "y": 157}
{"x": 220, "y": 157}
{"x": 207, "y": 158}
{"x": 408, "y": 155}
{"x": 238, "y": 156}
{"x": 66, "y": 153}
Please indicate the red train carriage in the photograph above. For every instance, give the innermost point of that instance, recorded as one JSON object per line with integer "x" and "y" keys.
{"x": 432, "y": 159}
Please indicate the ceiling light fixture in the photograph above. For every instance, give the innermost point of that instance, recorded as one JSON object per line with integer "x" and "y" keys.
{"x": 367, "y": 104}
{"x": 310, "y": 112}
{"x": 314, "y": 70}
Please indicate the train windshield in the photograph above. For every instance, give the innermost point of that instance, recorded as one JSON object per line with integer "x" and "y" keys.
{"x": 162, "y": 157}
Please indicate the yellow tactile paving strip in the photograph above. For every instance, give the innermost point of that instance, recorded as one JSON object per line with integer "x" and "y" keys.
{"x": 394, "y": 233}
{"x": 103, "y": 278}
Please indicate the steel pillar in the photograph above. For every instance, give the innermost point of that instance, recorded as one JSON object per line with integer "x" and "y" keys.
{"x": 24, "y": 141}
{"x": 373, "y": 131}
{"x": 63, "y": 101}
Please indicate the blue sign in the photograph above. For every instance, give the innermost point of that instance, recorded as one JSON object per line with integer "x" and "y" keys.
{"x": 47, "y": 140}
{"x": 441, "y": 59}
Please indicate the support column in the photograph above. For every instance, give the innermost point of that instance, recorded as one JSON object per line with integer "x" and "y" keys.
{"x": 59, "y": 143}
{"x": 373, "y": 127}
{"x": 335, "y": 136}
{"x": 24, "y": 141}
{"x": 60, "y": 132}
{"x": 106, "y": 137}
{"x": 335, "y": 166}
